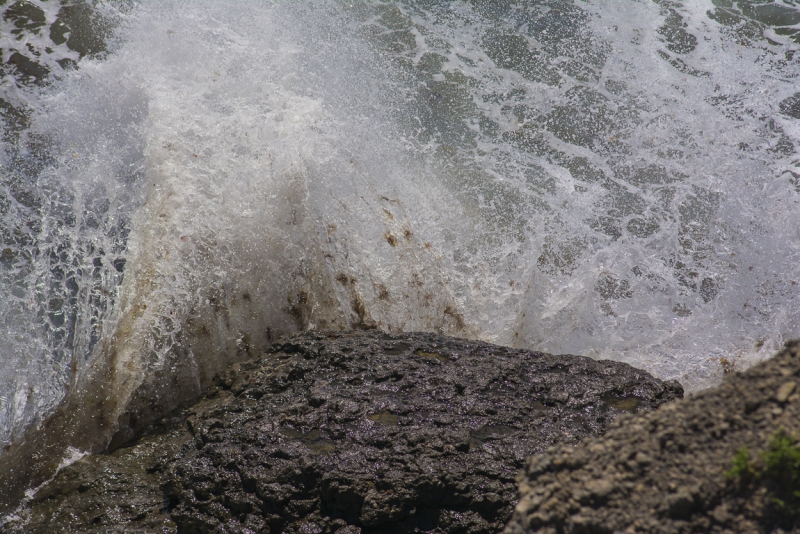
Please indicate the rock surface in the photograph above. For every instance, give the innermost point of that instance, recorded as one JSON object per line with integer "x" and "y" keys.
{"x": 349, "y": 432}
{"x": 665, "y": 471}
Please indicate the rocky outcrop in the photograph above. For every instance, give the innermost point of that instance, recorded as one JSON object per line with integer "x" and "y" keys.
{"x": 724, "y": 460}
{"x": 349, "y": 432}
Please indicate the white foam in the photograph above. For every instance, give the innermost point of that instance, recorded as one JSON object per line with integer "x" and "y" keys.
{"x": 282, "y": 167}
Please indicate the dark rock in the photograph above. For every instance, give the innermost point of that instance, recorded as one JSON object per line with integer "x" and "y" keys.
{"x": 664, "y": 471}
{"x": 351, "y": 432}
{"x": 118, "y": 492}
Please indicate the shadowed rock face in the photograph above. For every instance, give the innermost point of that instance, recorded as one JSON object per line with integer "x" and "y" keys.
{"x": 664, "y": 472}
{"x": 348, "y": 432}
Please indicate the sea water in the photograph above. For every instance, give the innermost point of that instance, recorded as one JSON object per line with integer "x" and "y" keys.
{"x": 184, "y": 181}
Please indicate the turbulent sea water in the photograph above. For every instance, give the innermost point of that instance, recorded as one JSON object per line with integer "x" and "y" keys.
{"x": 184, "y": 181}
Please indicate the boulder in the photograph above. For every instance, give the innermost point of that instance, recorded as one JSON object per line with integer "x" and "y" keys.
{"x": 724, "y": 460}
{"x": 349, "y": 432}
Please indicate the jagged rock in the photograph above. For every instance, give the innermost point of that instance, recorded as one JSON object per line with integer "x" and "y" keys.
{"x": 349, "y": 432}
{"x": 664, "y": 472}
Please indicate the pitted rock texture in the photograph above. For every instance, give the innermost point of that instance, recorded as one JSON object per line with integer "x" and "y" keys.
{"x": 389, "y": 433}
{"x": 663, "y": 472}
{"x": 347, "y": 432}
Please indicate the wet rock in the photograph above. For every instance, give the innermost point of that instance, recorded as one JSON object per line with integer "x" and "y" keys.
{"x": 665, "y": 471}
{"x": 118, "y": 492}
{"x": 352, "y": 432}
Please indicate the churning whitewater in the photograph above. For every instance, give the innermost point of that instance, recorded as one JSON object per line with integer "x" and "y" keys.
{"x": 619, "y": 180}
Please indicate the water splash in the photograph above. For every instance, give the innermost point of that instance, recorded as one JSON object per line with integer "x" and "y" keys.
{"x": 557, "y": 176}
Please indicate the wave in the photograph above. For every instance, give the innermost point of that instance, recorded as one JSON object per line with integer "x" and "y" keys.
{"x": 562, "y": 177}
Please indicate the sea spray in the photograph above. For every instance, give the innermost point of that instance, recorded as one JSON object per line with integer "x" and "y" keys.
{"x": 565, "y": 177}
